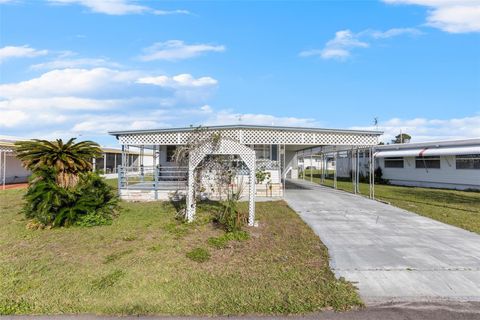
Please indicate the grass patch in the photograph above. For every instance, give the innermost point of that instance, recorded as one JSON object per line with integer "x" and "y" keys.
{"x": 198, "y": 255}
{"x": 129, "y": 238}
{"x": 223, "y": 240}
{"x": 108, "y": 280}
{"x": 117, "y": 255}
{"x": 281, "y": 269}
{"x": 458, "y": 208}
{"x": 10, "y": 307}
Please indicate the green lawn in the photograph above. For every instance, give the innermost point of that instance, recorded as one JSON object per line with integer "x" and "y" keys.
{"x": 458, "y": 208}
{"x": 139, "y": 265}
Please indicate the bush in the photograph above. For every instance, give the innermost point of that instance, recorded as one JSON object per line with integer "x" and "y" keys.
{"x": 91, "y": 202}
{"x": 198, "y": 255}
{"x": 378, "y": 174}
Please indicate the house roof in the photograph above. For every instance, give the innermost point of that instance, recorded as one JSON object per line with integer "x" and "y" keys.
{"x": 430, "y": 144}
{"x": 251, "y": 127}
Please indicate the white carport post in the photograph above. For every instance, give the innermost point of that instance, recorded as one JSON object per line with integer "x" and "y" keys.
{"x": 104, "y": 163}
{"x": 335, "y": 172}
{"x": 3, "y": 166}
{"x": 354, "y": 171}
{"x": 311, "y": 164}
{"x": 357, "y": 166}
{"x": 371, "y": 170}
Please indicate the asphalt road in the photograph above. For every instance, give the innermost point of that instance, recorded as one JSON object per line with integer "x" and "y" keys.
{"x": 391, "y": 311}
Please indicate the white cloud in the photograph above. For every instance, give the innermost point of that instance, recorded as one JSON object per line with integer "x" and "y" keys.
{"x": 169, "y": 12}
{"x": 206, "y": 108}
{"x": 179, "y": 81}
{"x": 454, "y": 16}
{"x": 339, "y": 47}
{"x": 174, "y": 50}
{"x": 62, "y": 63}
{"x": 94, "y": 101}
{"x": 68, "y": 82}
{"x": 423, "y": 129}
{"x": 345, "y": 41}
{"x": 224, "y": 117}
{"x": 393, "y": 32}
{"x": 6, "y": 1}
{"x": 101, "y": 124}
{"x": 117, "y": 7}
{"x": 9, "y": 52}
{"x": 12, "y": 118}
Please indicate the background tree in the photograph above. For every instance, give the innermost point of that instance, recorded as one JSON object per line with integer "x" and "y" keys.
{"x": 66, "y": 159}
{"x": 402, "y": 138}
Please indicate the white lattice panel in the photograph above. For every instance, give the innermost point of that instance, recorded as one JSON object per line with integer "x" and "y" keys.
{"x": 226, "y": 146}
{"x": 6, "y": 149}
{"x": 255, "y": 136}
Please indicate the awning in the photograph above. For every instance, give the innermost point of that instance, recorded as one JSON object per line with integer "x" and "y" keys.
{"x": 452, "y": 151}
{"x": 419, "y": 152}
{"x": 398, "y": 153}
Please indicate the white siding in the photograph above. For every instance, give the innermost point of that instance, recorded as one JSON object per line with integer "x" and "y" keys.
{"x": 14, "y": 170}
{"x": 445, "y": 177}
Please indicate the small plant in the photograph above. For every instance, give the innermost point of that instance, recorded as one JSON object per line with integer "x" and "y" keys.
{"x": 262, "y": 175}
{"x": 91, "y": 220}
{"x": 230, "y": 217}
{"x": 198, "y": 255}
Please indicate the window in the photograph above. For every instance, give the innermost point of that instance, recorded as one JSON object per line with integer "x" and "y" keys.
{"x": 432, "y": 162}
{"x": 170, "y": 153}
{"x": 393, "y": 162}
{"x": 262, "y": 151}
{"x": 468, "y": 161}
{"x": 274, "y": 152}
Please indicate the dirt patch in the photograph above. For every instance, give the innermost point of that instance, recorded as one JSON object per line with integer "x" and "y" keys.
{"x": 14, "y": 186}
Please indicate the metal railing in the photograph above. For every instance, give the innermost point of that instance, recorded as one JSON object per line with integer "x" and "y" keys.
{"x": 152, "y": 178}
{"x": 267, "y": 164}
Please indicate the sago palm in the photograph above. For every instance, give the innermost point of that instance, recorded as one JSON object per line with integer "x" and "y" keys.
{"x": 68, "y": 160}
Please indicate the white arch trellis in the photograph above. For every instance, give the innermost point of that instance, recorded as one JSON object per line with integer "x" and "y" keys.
{"x": 222, "y": 147}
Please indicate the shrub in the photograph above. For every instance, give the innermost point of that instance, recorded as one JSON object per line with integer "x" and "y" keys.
{"x": 198, "y": 255}
{"x": 378, "y": 174}
{"x": 90, "y": 202}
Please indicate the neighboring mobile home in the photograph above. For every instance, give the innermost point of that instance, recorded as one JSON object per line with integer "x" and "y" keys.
{"x": 12, "y": 171}
{"x": 439, "y": 164}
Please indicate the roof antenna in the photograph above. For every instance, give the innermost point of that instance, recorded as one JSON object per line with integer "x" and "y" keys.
{"x": 375, "y": 123}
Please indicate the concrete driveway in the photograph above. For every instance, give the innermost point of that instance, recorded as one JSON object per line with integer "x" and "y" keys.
{"x": 389, "y": 253}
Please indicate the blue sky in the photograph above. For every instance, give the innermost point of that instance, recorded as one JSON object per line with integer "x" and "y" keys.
{"x": 84, "y": 67}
